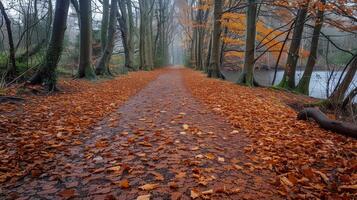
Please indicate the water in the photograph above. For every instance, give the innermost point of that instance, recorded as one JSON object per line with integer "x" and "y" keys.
{"x": 318, "y": 82}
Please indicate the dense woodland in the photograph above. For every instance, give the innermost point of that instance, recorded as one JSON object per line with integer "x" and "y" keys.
{"x": 211, "y": 35}
{"x": 95, "y": 100}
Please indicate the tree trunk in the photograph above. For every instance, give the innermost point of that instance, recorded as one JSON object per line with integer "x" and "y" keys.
{"x": 338, "y": 95}
{"x": 146, "y": 48}
{"x": 124, "y": 30}
{"x": 247, "y": 76}
{"x": 46, "y": 73}
{"x": 85, "y": 69}
{"x": 214, "y": 71}
{"x": 288, "y": 80}
{"x": 325, "y": 123}
{"x": 105, "y": 25}
{"x": 209, "y": 50}
{"x": 304, "y": 83}
{"x": 102, "y": 67}
{"x": 130, "y": 35}
{"x": 11, "y": 70}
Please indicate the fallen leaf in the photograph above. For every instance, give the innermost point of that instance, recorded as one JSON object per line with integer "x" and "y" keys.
{"x": 195, "y": 193}
{"x": 181, "y": 175}
{"x": 149, "y": 186}
{"x": 348, "y": 187}
{"x": 124, "y": 184}
{"x": 185, "y": 127}
{"x": 114, "y": 169}
{"x": 323, "y": 176}
{"x": 210, "y": 156}
{"x": 144, "y": 197}
{"x": 68, "y": 193}
{"x": 237, "y": 167}
{"x": 208, "y": 191}
{"x": 286, "y": 181}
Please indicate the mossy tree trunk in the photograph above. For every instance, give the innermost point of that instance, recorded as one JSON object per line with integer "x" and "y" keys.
{"x": 304, "y": 83}
{"x": 288, "y": 80}
{"x": 85, "y": 69}
{"x": 46, "y": 73}
{"x": 247, "y": 75}
{"x": 102, "y": 67}
{"x": 11, "y": 70}
{"x": 214, "y": 68}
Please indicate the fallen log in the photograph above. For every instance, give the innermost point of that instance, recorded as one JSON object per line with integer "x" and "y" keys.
{"x": 344, "y": 128}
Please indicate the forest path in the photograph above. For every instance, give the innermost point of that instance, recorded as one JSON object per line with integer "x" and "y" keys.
{"x": 161, "y": 139}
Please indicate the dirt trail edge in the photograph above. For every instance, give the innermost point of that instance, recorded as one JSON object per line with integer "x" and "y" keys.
{"x": 161, "y": 144}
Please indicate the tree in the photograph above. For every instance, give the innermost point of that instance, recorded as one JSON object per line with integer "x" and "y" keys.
{"x": 304, "y": 83}
{"x": 124, "y": 29}
{"x": 247, "y": 76}
{"x": 46, "y": 72}
{"x": 200, "y": 32}
{"x": 214, "y": 71}
{"x": 130, "y": 37}
{"x": 102, "y": 67}
{"x": 85, "y": 69}
{"x": 105, "y": 24}
{"x": 146, "y": 44}
{"x": 11, "y": 70}
{"x": 338, "y": 96}
{"x": 288, "y": 80}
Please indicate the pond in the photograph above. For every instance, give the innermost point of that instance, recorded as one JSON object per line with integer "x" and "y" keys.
{"x": 318, "y": 82}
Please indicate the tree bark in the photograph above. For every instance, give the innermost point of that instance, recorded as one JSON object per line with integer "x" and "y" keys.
{"x": 131, "y": 44}
{"x": 11, "y": 70}
{"x": 347, "y": 129}
{"x": 102, "y": 67}
{"x": 105, "y": 24}
{"x": 214, "y": 68}
{"x": 304, "y": 83}
{"x": 338, "y": 95}
{"x": 288, "y": 80}
{"x": 247, "y": 75}
{"x": 85, "y": 69}
{"x": 146, "y": 48}
{"x": 124, "y": 30}
{"x": 46, "y": 73}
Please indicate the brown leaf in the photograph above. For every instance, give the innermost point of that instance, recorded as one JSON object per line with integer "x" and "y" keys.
{"x": 144, "y": 197}
{"x": 149, "y": 186}
{"x": 286, "y": 181}
{"x": 195, "y": 193}
{"x": 124, "y": 184}
{"x": 68, "y": 193}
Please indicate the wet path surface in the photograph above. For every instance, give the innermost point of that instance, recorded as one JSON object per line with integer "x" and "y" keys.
{"x": 161, "y": 143}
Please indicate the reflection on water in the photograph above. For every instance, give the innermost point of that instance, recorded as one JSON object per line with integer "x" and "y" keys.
{"x": 318, "y": 83}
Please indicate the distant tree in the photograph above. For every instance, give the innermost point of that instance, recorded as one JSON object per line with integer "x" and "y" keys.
{"x": 102, "y": 67}
{"x": 85, "y": 69}
{"x": 214, "y": 68}
{"x": 105, "y": 24}
{"x": 11, "y": 70}
{"x": 247, "y": 76}
{"x": 288, "y": 80}
{"x": 146, "y": 43}
{"x": 46, "y": 72}
{"x": 124, "y": 30}
{"x": 304, "y": 83}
